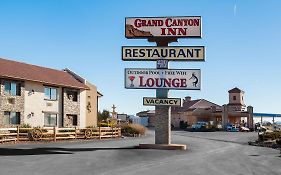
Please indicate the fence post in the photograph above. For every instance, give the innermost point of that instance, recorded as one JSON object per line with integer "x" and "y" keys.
{"x": 75, "y": 132}
{"x": 99, "y": 132}
{"x": 114, "y": 132}
{"x": 18, "y": 133}
{"x": 55, "y": 134}
{"x": 111, "y": 131}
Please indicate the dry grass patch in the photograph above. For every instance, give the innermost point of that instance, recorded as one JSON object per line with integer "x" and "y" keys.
{"x": 130, "y": 129}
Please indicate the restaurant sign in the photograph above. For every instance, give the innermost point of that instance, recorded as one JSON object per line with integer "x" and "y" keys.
{"x": 174, "y": 53}
{"x": 150, "y": 101}
{"x": 179, "y": 79}
{"x": 179, "y": 27}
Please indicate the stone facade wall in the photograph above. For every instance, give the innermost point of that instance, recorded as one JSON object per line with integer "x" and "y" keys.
{"x": 11, "y": 103}
{"x": 70, "y": 107}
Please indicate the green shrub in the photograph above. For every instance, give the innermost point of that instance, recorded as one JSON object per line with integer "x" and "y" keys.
{"x": 23, "y": 126}
{"x": 103, "y": 124}
{"x": 270, "y": 136}
{"x": 133, "y": 129}
{"x": 66, "y": 130}
{"x": 278, "y": 141}
{"x": 110, "y": 124}
{"x": 41, "y": 128}
{"x": 90, "y": 127}
{"x": 26, "y": 125}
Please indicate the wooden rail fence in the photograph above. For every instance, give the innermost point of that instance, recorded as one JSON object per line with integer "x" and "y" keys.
{"x": 55, "y": 133}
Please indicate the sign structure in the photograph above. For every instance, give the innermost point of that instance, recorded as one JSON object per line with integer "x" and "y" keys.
{"x": 174, "y": 53}
{"x": 179, "y": 79}
{"x": 179, "y": 27}
{"x": 150, "y": 101}
{"x": 163, "y": 30}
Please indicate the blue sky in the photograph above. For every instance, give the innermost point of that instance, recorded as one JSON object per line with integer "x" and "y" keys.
{"x": 242, "y": 40}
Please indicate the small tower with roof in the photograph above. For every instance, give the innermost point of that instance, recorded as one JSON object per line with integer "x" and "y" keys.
{"x": 236, "y": 100}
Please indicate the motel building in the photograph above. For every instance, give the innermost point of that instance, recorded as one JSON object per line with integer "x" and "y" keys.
{"x": 192, "y": 111}
{"x": 41, "y": 96}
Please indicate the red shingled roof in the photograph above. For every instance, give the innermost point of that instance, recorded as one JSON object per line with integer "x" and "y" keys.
{"x": 186, "y": 106}
{"x": 23, "y": 71}
{"x": 191, "y": 105}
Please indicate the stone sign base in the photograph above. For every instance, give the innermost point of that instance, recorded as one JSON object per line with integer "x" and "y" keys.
{"x": 163, "y": 146}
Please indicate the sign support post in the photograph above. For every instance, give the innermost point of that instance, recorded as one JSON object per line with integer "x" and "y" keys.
{"x": 163, "y": 113}
{"x": 163, "y": 120}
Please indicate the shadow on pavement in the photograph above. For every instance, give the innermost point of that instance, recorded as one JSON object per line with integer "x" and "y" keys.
{"x": 214, "y": 139}
{"x": 52, "y": 150}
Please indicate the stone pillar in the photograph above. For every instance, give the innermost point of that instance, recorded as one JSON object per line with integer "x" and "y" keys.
{"x": 163, "y": 120}
{"x": 250, "y": 118}
{"x": 162, "y": 113}
{"x": 224, "y": 116}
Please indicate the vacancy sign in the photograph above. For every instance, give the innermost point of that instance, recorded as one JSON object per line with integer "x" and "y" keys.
{"x": 179, "y": 27}
{"x": 174, "y": 53}
{"x": 179, "y": 79}
{"x": 150, "y": 101}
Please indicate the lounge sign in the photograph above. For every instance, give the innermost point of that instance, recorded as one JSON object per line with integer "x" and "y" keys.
{"x": 175, "y": 53}
{"x": 149, "y": 101}
{"x": 180, "y": 79}
{"x": 180, "y": 27}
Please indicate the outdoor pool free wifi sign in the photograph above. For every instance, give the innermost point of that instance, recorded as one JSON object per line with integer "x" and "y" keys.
{"x": 178, "y": 79}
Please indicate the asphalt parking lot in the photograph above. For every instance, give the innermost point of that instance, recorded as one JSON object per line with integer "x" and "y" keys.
{"x": 210, "y": 153}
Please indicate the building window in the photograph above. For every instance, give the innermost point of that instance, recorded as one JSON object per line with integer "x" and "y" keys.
{"x": 51, "y": 93}
{"x": 11, "y": 118}
{"x": 50, "y": 119}
{"x": 72, "y": 95}
{"x": 12, "y": 88}
{"x": 234, "y": 97}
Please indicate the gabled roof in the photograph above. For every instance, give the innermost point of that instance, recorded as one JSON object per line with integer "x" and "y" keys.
{"x": 202, "y": 103}
{"x": 195, "y": 104}
{"x": 185, "y": 107}
{"x": 235, "y": 90}
{"x": 99, "y": 94}
{"x": 188, "y": 104}
{"x": 23, "y": 71}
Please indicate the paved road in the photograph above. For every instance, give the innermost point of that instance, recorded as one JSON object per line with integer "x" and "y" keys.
{"x": 218, "y": 153}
